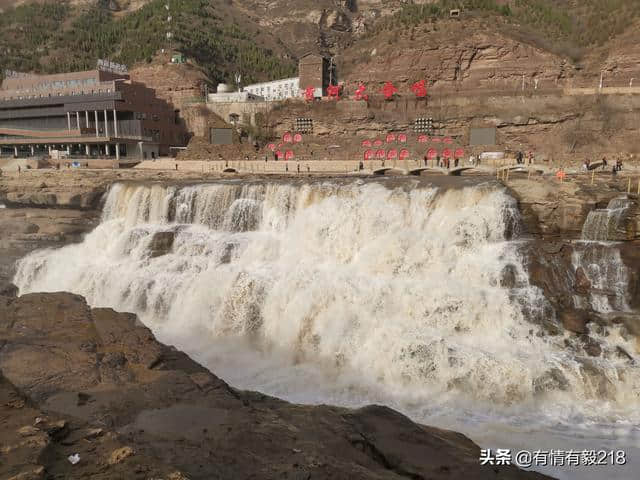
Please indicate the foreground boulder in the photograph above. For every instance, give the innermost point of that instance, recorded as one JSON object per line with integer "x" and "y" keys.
{"x": 123, "y": 402}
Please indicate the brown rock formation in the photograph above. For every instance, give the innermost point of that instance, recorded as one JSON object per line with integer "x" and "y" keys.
{"x": 97, "y": 372}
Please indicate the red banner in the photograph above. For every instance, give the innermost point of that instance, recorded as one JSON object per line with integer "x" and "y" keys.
{"x": 391, "y": 154}
{"x": 419, "y": 89}
{"x": 333, "y": 91}
{"x": 391, "y": 138}
{"x": 360, "y": 93}
{"x": 279, "y": 154}
{"x": 389, "y": 90}
{"x": 404, "y": 154}
{"x": 309, "y": 93}
{"x": 446, "y": 153}
{"x": 271, "y": 146}
{"x": 432, "y": 153}
{"x": 380, "y": 153}
{"x": 297, "y": 138}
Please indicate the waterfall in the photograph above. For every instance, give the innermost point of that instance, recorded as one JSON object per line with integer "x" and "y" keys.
{"x": 607, "y": 274}
{"x": 403, "y": 287}
{"x": 609, "y": 223}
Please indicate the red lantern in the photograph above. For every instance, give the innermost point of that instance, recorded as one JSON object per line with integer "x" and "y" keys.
{"x": 432, "y": 153}
{"x": 366, "y": 143}
{"x": 423, "y": 139}
{"x": 368, "y": 154}
{"x": 380, "y": 153}
{"x": 391, "y": 138}
{"x": 297, "y": 138}
{"x": 404, "y": 154}
{"x": 458, "y": 153}
{"x": 289, "y": 155}
{"x": 402, "y": 138}
{"x": 446, "y": 153}
{"x": 287, "y": 137}
{"x": 389, "y": 90}
{"x": 391, "y": 154}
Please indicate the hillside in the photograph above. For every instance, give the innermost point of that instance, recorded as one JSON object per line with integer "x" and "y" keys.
{"x": 60, "y": 36}
{"x": 547, "y": 40}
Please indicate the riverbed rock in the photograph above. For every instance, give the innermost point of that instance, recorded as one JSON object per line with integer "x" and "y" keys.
{"x": 574, "y": 320}
{"x": 161, "y": 243}
{"x": 181, "y": 419}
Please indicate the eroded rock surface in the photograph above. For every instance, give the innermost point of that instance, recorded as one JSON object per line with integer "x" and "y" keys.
{"x": 111, "y": 393}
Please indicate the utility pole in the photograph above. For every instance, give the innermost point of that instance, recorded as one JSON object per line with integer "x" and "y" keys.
{"x": 169, "y": 18}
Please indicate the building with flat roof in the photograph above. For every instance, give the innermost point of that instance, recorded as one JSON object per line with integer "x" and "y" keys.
{"x": 97, "y": 113}
{"x": 276, "y": 89}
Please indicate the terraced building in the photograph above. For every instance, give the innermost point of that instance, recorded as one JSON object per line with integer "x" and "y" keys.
{"x": 99, "y": 114}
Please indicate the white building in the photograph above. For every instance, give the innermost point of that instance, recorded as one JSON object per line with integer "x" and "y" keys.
{"x": 276, "y": 90}
{"x": 224, "y": 97}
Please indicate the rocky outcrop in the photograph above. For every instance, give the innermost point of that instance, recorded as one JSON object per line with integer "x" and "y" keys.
{"x": 123, "y": 402}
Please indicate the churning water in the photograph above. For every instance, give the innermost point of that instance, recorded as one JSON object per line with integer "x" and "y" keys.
{"x": 354, "y": 293}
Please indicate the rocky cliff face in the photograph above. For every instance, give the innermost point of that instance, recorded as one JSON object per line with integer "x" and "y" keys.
{"x": 453, "y": 55}
{"x": 122, "y": 402}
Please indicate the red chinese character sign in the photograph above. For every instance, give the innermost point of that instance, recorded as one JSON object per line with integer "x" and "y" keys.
{"x": 419, "y": 89}
{"x": 333, "y": 91}
{"x": 297, "y": 138}
{"x": 377, "y": 143}
{"x": 446, "y": 153}
{"x": 391, "y": 138}
{"x": 271, "y": 146}
{"x": 447, "y": 140}
{"x": 432, "y": 153}
{"x": 287, "y": 137}
{"x": 458, "y": 153}
{"x": 391, "y": 154}
{"x": 369, "y": 154}
{"x": 279, "y": 154}
{"x": 389, "y": 90}
{"x": 380, "y": 153}
{"x": 288, "y": 155}
{"x": 402, "y": 138}
{"x": 404, "y": 154}
{"x": 366, "y": 143}
{"x": 423, "y": 139}
{"x": 436, "y": 140}
{"x": 360, "y": 93}
{"x": 309, "y": 94}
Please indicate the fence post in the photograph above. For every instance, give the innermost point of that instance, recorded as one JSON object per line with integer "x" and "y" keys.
{"x": 593, "y": 174}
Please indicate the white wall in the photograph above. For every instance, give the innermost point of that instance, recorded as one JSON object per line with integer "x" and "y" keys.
{"x": 276, "y": 90}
